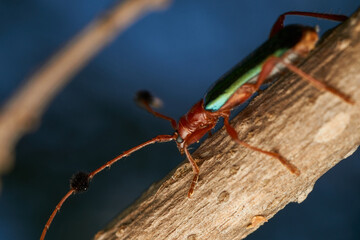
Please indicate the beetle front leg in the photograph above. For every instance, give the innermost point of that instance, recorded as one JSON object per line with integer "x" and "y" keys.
{"x": 195, "y": 169}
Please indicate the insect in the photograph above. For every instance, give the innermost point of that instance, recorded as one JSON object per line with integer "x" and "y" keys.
{"x": 285, "y": 45}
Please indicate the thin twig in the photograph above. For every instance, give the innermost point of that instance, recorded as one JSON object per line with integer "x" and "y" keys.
{"x": 23, "y": 111}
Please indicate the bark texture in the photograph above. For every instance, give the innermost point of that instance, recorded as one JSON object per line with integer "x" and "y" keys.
{"x": 239, "y": 189}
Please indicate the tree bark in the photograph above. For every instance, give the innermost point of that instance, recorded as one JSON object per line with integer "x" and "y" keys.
{"x": 238, "y": 188}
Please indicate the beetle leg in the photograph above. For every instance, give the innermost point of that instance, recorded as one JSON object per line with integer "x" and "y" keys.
{"x": 233, "y": 134}
{"x": 279, "y": 24}
{"x": 266, "y": 70}
{"x": 195, "y": 169}
{"x": 313, "y": 81}
{"x": 248, "y": 89}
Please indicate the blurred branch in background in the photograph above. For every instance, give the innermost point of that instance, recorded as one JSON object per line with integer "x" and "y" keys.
{"x": 23, "y": 111}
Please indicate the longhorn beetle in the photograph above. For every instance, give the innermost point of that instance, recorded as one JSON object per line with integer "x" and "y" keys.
{"x": 285, "y": 45}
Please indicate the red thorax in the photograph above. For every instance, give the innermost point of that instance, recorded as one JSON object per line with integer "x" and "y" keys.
{"x": 195, "y": 124}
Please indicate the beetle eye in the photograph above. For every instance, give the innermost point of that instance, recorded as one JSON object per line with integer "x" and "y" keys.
{"x": 179, "y": 139}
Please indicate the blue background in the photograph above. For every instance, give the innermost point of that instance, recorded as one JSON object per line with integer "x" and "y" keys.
{"x": 177, "y": 54}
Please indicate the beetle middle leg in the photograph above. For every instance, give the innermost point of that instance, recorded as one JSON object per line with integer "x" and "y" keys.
{"x": 233, "y": 134}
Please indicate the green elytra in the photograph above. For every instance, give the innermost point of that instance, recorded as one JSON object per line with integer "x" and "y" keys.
{"x": 251, "y": 66}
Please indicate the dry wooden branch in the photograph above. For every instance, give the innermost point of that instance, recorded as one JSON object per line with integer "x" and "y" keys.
{"x": 239, "y": 189}
{"x": 23, "y": 111}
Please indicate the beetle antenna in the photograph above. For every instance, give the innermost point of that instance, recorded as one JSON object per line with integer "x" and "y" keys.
{"x": 81, "y": 180}
{"x": 143, "y": 97}
{"x": 146, "y": 100}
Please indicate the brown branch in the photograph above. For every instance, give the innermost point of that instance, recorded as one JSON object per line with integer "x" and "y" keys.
{"x": 239, "y": 189}
{"x": 23, "y": 111}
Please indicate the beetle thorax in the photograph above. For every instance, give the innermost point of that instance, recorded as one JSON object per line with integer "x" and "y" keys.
{"x": 195, "y": 124}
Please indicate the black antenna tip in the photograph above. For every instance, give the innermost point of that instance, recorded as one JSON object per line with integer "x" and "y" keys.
{"x": 145, "y": 97}
{"x": 80, "y": 182}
